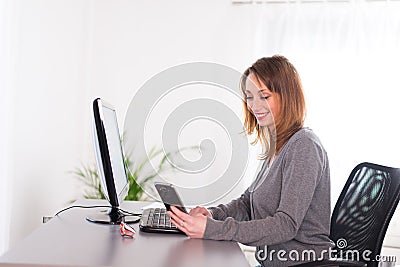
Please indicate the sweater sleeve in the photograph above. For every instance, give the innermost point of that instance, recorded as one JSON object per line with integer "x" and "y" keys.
{"x": 239, "y": 209}
{"x": 301, "y": 170}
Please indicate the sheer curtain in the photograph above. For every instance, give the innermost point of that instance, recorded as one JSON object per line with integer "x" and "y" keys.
{"x": 348, "y": 55}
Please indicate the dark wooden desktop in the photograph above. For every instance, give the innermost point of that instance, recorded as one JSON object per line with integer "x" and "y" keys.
{"x": 69, "y": 240}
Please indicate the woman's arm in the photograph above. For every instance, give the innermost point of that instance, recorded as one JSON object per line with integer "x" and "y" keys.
{"x": 194, "y": 223}
{"x": 239, "y": 209}
{"x": 301, "y": 168}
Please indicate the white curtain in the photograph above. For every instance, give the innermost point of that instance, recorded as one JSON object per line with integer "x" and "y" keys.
{"x": 348, "y": 56}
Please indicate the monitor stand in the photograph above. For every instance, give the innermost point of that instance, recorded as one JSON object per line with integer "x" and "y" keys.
{"x": 112, "y": 216}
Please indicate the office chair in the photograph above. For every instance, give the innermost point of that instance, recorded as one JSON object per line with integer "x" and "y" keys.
{"x": 362, "y": 214}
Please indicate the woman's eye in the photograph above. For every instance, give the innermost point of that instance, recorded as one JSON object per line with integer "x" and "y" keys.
{"x": 265, "y": 97}
{"x": 248, "y": 97}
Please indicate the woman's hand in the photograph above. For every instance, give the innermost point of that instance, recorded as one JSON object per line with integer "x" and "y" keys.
{"x": 200, "y": 210}
{"x": 192, "y": 225}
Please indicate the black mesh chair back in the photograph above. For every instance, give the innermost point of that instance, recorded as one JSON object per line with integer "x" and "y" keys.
{"x": 363, "y": 212}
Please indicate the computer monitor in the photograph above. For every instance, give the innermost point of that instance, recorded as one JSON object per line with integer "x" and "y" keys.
{"x": 110, "y": 163}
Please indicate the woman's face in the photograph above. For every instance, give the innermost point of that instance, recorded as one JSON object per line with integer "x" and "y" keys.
{"x": 261, "y": 102}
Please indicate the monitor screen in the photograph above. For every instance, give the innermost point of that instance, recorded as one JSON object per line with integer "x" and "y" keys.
{"x": 115, "y": 156}
{"x": 110, "y": 161}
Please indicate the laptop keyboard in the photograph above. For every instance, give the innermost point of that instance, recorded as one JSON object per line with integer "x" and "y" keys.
{"x": 156, "y": 220}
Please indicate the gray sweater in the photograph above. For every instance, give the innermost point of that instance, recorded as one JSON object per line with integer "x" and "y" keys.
{"x": 286, "y": 211}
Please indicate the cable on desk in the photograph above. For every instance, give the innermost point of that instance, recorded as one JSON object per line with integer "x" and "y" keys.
{"x": 128, "y": 213}
{"x": 124, "y": 212}
{"x": 78, "y": 206}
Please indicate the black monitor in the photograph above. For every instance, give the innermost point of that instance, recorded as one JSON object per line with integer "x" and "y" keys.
{"x": 110, "y": 163}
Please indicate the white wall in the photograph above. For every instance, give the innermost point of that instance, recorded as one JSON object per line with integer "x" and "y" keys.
{"x": 134, "y": 41}
{"x": 49, "y": 108}
{"x": 5, "y": 121}
{"x": 65, "y": 53}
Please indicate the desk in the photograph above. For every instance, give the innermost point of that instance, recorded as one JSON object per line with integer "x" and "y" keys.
{"x": 69, "y": 240}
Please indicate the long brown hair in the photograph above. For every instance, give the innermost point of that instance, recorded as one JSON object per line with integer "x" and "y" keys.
{"x": 282, "y": 78}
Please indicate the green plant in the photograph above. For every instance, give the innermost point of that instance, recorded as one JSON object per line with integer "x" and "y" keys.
{"x": 89, "y": 176}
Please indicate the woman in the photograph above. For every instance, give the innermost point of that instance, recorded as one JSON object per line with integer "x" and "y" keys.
{"x": 285, "y": 213}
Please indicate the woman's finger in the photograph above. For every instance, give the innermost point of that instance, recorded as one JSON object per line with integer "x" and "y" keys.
{"x": 181, "y": 214}
{"x": 177, "y": 220}
{"x": 194, "y": 211}
{"x": 173, "y": 216}
{"x": 180, "y": 227}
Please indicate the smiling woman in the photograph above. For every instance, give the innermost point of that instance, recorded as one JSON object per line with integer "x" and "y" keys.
{"x": 287, "y": 207}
